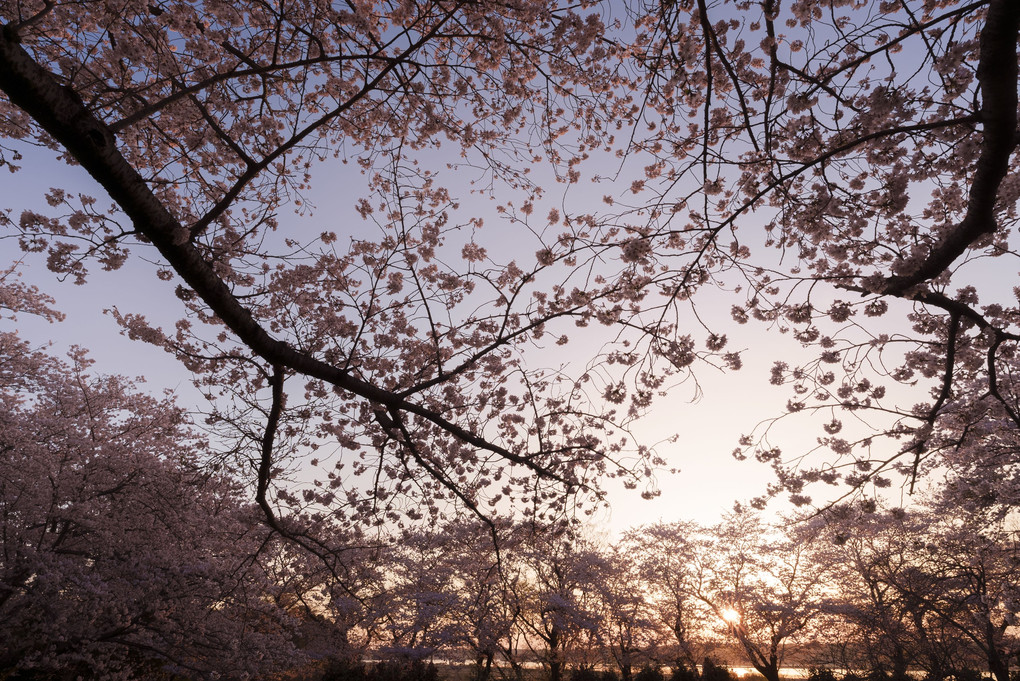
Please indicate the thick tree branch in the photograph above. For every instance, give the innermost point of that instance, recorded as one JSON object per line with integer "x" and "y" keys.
{"x": 266, "y": 459}
{"x": 997, "y": 77}
{"x": 947, "y": 386}
{"x": 993, "y": 380}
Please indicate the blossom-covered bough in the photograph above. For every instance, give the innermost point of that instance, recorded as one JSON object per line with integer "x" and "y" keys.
{"x": 873, "y": 146}
{"x": 201, "y": 120}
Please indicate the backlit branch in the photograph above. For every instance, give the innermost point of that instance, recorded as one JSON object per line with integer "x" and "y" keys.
{"x": 65, "y": 118}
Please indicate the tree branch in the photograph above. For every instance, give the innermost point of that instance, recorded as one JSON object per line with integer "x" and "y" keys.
{"x": 997, "y": 77}
{"x": 62, "y": 114}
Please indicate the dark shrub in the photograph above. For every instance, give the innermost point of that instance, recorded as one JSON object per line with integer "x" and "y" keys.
{"x": 821, "y": 674}
{"x": 589, "y": 674}
{"x": 387, "y": 670}
{"x": 686, "y": 674}
{"x": 344, "y": 670}
{"x": 585, "y": 674}
{"x": 649, "y": 673}
{"x": 712, "y": 671}
{"x": 967, "y": 675}
{"x": 414, "y": 670}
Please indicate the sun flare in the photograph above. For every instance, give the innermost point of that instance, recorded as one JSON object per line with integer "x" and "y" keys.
{"x": 730, "y": 615}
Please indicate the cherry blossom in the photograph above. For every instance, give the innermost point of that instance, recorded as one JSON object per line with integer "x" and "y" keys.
{"x": 119, "y": 550}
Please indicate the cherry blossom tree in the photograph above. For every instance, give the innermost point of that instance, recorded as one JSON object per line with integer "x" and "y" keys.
{"x": 762, "y": 588}
{"x": 839, "y": 164}
{"x": 336, "y": 605}
{"x": 202, "y": 121}
{"x": 120, "y": 556}
{"x": 421, "y": 614}
{"x": 630, "y": 629}
{"x": 938, "y": 584}
{"x": 849, "y": 169}
{"x": 876, "y": 556}
{"x": 668, "y": 557}
{"x": 484, "y": 575}
{"x": 976, "y": 591}
{"x": 558, "y": 599}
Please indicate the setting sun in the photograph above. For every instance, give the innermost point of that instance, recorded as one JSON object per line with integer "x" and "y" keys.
{"x": 730, "y": 615}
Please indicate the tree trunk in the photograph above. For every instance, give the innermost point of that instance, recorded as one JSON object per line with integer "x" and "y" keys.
{"x": 483, "y": 665}
{"x": 899, "y": 661}
{"x": 555, "y": 662}
{"x": 998, "y": 666}
{"x": 769, "y": 671}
